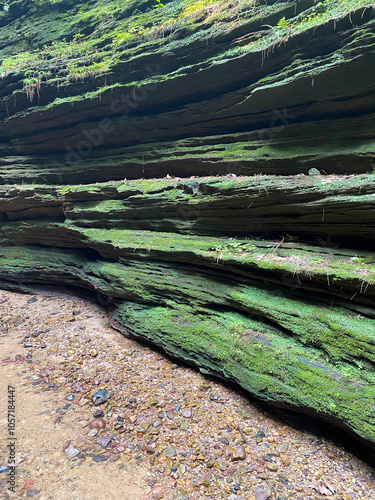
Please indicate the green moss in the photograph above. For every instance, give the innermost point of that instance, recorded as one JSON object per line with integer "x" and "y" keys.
{"x": 95, "y": 37}
{"x": 271, "y": 345}
{"x": 269, "y": 365}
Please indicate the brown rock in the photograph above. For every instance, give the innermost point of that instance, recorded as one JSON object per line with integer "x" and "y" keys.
{"x": 238, "y": 453}
{"x": 103, "y": 439}
{"x": 97, "y": 423}
{"x": 285, "y": 459}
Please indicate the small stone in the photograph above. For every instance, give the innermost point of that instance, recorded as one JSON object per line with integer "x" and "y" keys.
{"x": 285, "y": 459}
{"x": 157, "y": 489}
{"x": 71, "y": 452}
{"x": 222, "y": 464}
{"x": 261, "y": 494}
{"x": 103, "y": 439}
{"x": 92, "y": 433}
{"x": 243, "y": 414}
{"x": 330, "y": 454}
{"x": 152, "y": 402}
{"x": 283, "y": 447}
{"x": 181, "y": 469}
{"x": 32, "y": 300}
{"x": 237, "y": 478}
{"x": 272, "y": 467}
{"x": 97, "y": 423}
{"x": 100, "y": 397}
{"x": 99, "y": 458}
{"x": 210, "y": 463}
{"x": 93, "y": 353}
{"x": 263, "y": 475}
{"x": 238, "y": 453}
{"x": 186, "y": 412}
{"x": 170, "y": 451}
{"x": 98, "y": 413}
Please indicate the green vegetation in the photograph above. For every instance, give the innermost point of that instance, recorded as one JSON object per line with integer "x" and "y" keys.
{"x": 89, "y": 41}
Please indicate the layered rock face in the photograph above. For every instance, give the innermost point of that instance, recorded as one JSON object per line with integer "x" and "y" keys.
{"x": 209, "y": 169}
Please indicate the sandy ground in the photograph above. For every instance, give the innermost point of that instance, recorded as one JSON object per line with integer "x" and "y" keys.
{"x": 44, "y": 471}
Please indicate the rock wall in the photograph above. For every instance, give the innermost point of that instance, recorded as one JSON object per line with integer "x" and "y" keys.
{"x": 209, "y": 169}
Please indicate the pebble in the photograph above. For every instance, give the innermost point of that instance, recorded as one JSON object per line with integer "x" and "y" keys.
{"x": 285, "y": 459}
{"x": 272, "y": 467}
{"x": 261, "y": 494}
{"x": 71, "y": 452}
{"x": 239, "y": 453}
{"x": 100, "y": 397}
{"x": 97, "y": 423}
{"x": 157, "y": 489}
{"x": 243, "y": 414}
{"x": 170, "y": 451}
{"x": 186, "y": 412}
{"x": 263, "y": 475}
{"x": 103, "y": 439}
{"x": 283, "y": 447}
{"x": 222, "y": 464}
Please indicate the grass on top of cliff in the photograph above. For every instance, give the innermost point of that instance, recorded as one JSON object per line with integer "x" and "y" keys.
{"x": 63, "y": 41}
